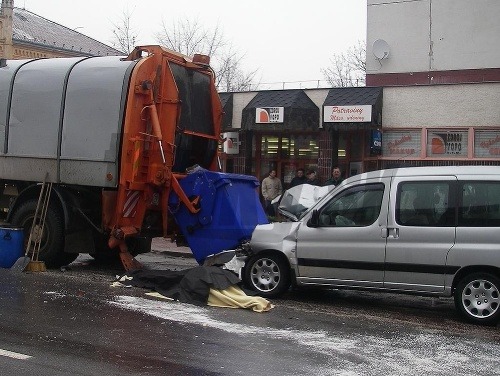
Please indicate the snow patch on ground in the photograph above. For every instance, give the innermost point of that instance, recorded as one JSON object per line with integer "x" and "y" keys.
{"x": 55, "y": 294}
{"x": 349, "y": 353}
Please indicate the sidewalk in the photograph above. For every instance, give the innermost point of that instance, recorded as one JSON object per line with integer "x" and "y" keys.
{"x": 170, "y": 248}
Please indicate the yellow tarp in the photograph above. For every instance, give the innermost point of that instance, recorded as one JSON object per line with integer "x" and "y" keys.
{"x": 234, "y": 297}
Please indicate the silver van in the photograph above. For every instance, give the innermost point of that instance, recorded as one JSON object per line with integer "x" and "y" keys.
{"x": 425, "y": 230}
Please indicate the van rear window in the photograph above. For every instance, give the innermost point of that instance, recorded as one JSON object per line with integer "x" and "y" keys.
{"x": 479, "y": 204}
{"x": 425, "y": 204}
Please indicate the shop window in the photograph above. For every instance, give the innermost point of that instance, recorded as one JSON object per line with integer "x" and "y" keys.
{"x": 294, "y": 146}
{"x": 270, "y": 145}
{"x": 303, "y": 146}
{"x": 342, "y": 146}
{"x": 487, "y": 143}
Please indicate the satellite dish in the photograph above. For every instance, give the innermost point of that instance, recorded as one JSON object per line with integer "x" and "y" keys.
{"x": 381, "y": 49}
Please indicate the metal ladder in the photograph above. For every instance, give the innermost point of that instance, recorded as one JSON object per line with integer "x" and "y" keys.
{"x": 38, "y": 225}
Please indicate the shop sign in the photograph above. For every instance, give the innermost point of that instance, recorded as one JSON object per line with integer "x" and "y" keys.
{"x": 441, "y": 143}
{"x": 347, "y": 114}
{"x": 487, "y": 144}
{"x": 231, "y": 143}
{"x": 401, "y": 144}
{"x": 376, "y": 142}
{"x": 265, "y": 115}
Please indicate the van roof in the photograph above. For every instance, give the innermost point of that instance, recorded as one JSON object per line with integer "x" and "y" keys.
{"x": 430, "y": 171}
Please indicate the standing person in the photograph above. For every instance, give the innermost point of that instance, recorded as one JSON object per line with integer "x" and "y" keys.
{"x": 299, "y": 178}
{"x": 311, "y": 178}
{"x": 271, "y": 188}
{"x": 336, "y": 177}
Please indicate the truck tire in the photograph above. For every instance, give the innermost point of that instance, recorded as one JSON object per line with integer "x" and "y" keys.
{"x": 477, "y": 298}
{"x": 52, "y": 242}
{"x": 268, "y": 274}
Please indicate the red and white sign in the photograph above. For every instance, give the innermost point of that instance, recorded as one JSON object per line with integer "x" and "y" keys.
{"x": 231, "y": 143}
{"x": 265, "y": 115}
{"x": 347, "y": 114}
{"x": 130, "y": 206}
{"x": 449, "y": 143}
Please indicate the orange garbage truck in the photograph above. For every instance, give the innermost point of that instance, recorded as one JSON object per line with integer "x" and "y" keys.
{"x": 115, "y": 136}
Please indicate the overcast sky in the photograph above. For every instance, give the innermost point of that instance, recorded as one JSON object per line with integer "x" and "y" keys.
{"x": 284, "y": 40}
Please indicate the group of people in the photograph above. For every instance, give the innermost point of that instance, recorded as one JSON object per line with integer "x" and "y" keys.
{"x": 271, "y": 185}
{"x": 310, "y": 178}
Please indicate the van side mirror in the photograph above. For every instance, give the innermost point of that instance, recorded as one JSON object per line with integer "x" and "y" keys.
{"x": 314, "y": 220}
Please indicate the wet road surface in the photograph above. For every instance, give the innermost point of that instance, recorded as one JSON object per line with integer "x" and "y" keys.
{"x": 73, "y": 322}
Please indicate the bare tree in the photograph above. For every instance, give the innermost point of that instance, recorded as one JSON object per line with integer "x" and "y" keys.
{"x": 229, "y": 75}
{"x": 347, "y": 68}
{"x": 189, "y": 37}
{"x": 125, "y": 36}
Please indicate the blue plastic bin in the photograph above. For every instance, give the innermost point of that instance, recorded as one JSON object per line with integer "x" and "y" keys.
{"x": 11, "y": 245}
{"x": 229, "y": 211}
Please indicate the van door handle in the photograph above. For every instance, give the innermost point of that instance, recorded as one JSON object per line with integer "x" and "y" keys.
{"x": 393, "y": 232}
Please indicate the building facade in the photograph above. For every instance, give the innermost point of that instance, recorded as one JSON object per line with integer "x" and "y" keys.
{"x": 25, "y": 35}
{"x": 432, "y": 98}
{"x": 302, "y": 128}
{"x": 439, "y": 64}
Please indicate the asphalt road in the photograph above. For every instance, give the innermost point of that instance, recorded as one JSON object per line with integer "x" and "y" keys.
{"x": 74, "y": 322}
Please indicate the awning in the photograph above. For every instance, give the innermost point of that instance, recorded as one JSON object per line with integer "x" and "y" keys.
{"x": 227, "y": 108}
{"x": 353, "y": 108}
{"x": 280, "y": 110}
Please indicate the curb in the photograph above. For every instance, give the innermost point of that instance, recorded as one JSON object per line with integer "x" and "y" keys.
{"x": 172, "y": 253}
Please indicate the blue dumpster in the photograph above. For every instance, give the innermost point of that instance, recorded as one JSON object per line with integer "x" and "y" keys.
{"x": 11, "y": 245}
{"x": 229, "y": 211}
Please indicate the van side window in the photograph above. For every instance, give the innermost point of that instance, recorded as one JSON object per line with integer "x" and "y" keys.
{"x": 479, "y": 204}
{"x": 354, "y": 207}
{"x": 425, "y": 204}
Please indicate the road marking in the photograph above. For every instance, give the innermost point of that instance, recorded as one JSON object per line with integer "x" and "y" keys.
{"x": 14, "y": 355}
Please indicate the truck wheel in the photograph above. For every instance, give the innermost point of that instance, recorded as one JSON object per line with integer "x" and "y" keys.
{"x": 52, "y": 241}
{"x": 268, "y": 274}
{"x": 477, "y": 297}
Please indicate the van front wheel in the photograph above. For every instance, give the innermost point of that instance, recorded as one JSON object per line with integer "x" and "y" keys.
{"x": 477, "y": 297}
{"x": 268, "y": 274}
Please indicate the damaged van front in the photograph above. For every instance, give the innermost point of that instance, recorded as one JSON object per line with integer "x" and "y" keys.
{"x": 273, "y": 246}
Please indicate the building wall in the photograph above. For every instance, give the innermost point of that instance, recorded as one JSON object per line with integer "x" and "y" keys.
{"x": 28, "y": 52}
{"x": 318, "y": 96}
{"x": 442, "y": 106}
{"x": 433, "y": 35}
{"x": 240, "y": 100}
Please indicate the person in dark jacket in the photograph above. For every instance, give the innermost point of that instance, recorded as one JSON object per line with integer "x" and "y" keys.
{"x": 311, "y": 178}
{"x": 336, "y": 177}
{"x": 299, "y": 178}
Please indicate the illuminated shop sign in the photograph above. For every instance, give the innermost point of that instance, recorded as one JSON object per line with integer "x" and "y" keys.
{"x": 441, "y": 143}
{"x": 347, "y": 114}
{"x": 487, "y": 144}
{"x": 402, "y": 144}
{"x": 264, "y": 115}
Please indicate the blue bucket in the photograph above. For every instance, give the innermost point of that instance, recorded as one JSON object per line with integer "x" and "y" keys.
{"x": 11, "y": 245}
